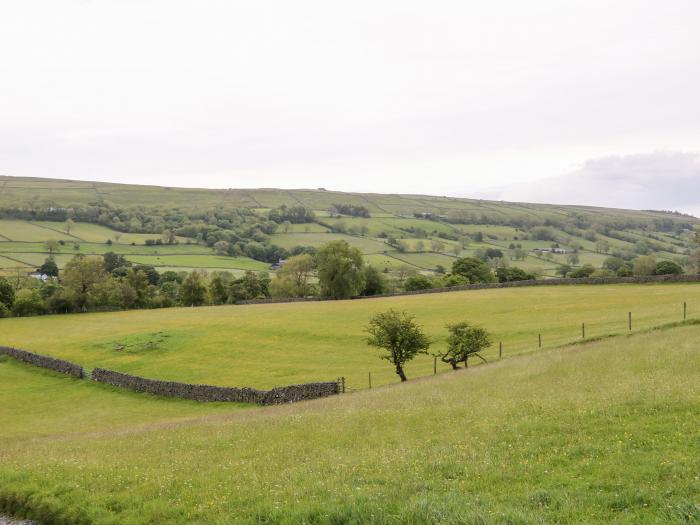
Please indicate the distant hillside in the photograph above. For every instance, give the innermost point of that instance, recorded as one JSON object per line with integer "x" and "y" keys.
{"x": 397, "y": 233}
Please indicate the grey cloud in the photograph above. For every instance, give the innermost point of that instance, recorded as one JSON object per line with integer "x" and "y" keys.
{"x": 662, "y": 180}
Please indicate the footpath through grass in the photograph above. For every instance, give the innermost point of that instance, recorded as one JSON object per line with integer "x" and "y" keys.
{"x": 603, "y": 432}
{"x": 279, "y": 344}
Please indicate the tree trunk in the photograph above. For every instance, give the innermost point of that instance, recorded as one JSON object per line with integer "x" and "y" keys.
{"x": 399, "y": 371}
{"x": 454, "y": 365}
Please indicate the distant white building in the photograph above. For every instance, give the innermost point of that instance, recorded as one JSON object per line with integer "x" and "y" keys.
{"x": 550, "y": 250}
{"x": 39, "y": 276}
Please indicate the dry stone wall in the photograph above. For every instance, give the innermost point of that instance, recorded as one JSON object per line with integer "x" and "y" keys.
{"x": 44, "y": 361}
{"x": 210, "y": 393}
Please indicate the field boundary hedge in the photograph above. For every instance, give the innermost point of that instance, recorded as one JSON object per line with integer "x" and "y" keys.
{"x": 210, "y": 393}
{"x": 44, "y": 361}
{"x": 513, "y": 284}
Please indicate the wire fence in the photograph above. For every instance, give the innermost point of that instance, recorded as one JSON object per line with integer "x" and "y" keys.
{"x": 509, "y": 344}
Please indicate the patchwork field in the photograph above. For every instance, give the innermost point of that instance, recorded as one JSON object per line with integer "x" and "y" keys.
{"x": 278, "y": 344}
{"x": 604, "y": 432}
{"x": 404, "y": 217}
{"x": 23, "y": 248}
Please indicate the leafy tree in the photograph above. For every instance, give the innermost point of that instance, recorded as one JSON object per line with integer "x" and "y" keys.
{"x": 80, "y": 276}
{"x": 52, "y": 245}
{"x": 293, "y": 279}
{"x": 463, "y": 342}
{"x": 219, "y": 287}
{"x": 49, "y": 267}
{"x": 137, "y": 279}
{"x": 168, "y": 237}
{"x": 222, "y": 247}
{"x": 625, "y": 271}
{"x": 473, "y": 269}
{"x": 453, "y": 280}
{"x": 28, "y": 302}
{"x": 506, "y": 275}
{"x": 584, "y": 271}
{"x": 340, "y": 270}
{"x": 668, "y": 268}
{"x": 193, "y": 291}
{"x": 151, "y": 273}
{"x": 294, "y": 214}
{"x": 250, "y": 286}
{"x": 171, "y": 276}
{"x": 563, "y": 270}
{"x": 613, "y": 263}
{"x": 417, "y": 282}
{"x": 398, "y": 334}
{"x": 7, "y": 293}
{"x": 375, "y": 283}
{"x": 644, "y": 265}
{"x": 112, "y": 261}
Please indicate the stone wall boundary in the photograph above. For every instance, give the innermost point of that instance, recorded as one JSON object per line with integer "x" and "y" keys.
{"x": 44, "y": 361}
{"x": 210, "y": 393}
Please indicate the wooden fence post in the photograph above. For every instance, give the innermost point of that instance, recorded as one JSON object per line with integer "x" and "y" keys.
{"x": 500, "y": 349}
{"x": 369, "y": 376}
{"x": 685, "y": 310}
{"x": 434, "y": 365}
{"x": 539, "y": 340}
{"x": 583, "y": 330}
{"x": 629, "y": 320}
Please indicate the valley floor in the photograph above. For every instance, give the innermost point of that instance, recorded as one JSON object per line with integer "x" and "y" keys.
{"x": 601, "y": 432}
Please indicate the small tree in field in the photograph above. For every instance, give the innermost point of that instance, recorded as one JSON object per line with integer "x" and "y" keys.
{"x": 398, "y": 334}
{"x": 463, "y": 342}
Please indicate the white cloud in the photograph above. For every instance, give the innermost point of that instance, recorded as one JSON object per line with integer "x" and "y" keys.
{"x": 392, "y": 95}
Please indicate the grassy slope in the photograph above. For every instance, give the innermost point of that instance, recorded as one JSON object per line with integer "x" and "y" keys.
{"x": 388, "y": 216}
{"x": 26, "y": 250}
{"x": 278, "y": 344}
{"x": 604, "y": 432}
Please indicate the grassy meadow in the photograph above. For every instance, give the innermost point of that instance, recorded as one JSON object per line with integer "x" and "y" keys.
{"x": 278, "y": 344}
{"x": 601, "y": 432}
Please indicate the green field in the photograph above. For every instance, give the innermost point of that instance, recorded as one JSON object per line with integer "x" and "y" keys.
{"x": 279, "y": 344}
{"x": 23, "y": 249}
{"x": 500, "y": 223}
{"x": 604, "y": 432}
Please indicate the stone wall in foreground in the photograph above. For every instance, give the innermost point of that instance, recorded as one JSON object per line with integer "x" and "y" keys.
{"x": 44, "y": 361}
{"x": 210, "y": 393}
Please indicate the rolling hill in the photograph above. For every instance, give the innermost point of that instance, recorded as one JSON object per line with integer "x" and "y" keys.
{"x": 417, "y": 232}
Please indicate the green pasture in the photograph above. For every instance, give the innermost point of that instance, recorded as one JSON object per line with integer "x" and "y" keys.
{"x": 604, "y": 432}
{"x": 278, "y": 344}
{"x": 425, "y": 260}
{"x": 11, "y": 230}
{"x": 290, "y": 240}
{"x": 199, "y": 261}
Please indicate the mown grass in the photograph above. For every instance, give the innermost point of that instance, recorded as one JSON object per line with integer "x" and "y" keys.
{"x": 278, "y": 344}
{"x": 604, "y": 432}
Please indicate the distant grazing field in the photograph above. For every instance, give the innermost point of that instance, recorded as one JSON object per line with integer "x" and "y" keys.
{"x": 278, "y": 344}
{"x": 604, "y": 432}
{"x": 596, "y": 233}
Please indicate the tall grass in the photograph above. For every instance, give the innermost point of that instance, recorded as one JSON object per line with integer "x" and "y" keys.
{"x": 602, "y": 432}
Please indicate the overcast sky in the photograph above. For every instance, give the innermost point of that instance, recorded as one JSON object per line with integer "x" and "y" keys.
{"x": 594, "y": 102}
